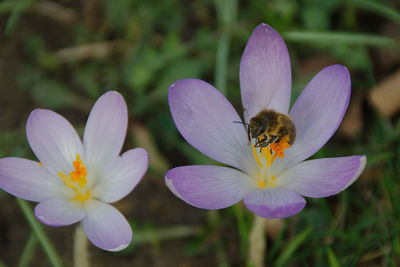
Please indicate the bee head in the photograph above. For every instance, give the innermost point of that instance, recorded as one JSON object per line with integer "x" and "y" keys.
{"x": 257, "y": 127}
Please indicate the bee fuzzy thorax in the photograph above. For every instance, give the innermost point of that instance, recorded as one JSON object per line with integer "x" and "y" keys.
{"x": 269, "y": 126}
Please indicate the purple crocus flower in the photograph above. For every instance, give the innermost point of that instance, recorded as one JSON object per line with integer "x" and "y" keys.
{"x": 271, "y": 187}
{"x": 76, "y": 181}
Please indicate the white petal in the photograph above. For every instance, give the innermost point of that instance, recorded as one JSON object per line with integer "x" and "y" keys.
{"x": 106, "y": 227}
{"x": 276, "y": 202}
{"x": 265, "y": 75}
{"x": 322, "y": 177}
{"x": 27, "y": 179}
{"x": 122, "y": 175}
{"x": 53, "y": 140}
{"x": 59, "y": 212}
{"x": 105, "y": 129}
{"x": 207, "y": 121}
{"x": 317, "y": 113}
{"x": 209, "y": 187}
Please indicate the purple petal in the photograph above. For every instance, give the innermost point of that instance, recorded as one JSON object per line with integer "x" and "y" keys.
{"x": 59, "y": 212}
{"x": 122, "y": 175}
{"x": 323, "y": 177}
{"x": 318, "y": 112}
{"x": 208, "y": 187}
{"x": 53, "y": 140}
{"x": 26, "y": 179}
{"x": 105, "y": 130}
{"x": 106, "y": 227}
{"x": 276, "y": 202}
{"x": 265, "y": 76}
{"x": 207, "y": 120}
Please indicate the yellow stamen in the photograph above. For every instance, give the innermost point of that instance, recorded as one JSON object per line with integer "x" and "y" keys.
{"x": 256, "y": 156}
{"x": 81, "y": 197}
{"x": 261, "y": 183}
{"x": 77, "y": 180}
{"x": 67, "y": 180}
{"x": 267, "y": 154}
{"x": 40, "y": 164}
{"x": 265, "y": 157}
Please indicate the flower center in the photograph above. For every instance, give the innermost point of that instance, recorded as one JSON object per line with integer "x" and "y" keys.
{"x": 265, "y": 156}
{"x": 77, "y": 180}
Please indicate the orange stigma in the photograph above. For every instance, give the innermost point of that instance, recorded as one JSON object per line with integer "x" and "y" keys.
{"x": 77, "y": 180}
{"x": 278, "y": 148}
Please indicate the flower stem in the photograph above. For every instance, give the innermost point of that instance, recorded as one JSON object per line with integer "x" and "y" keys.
{"x": 40, "y": 233}
{"x": 257, "y": 242}
{"x": 81, "y": 253}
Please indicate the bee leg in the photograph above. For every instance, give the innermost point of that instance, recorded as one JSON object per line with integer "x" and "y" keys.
{"x": 266, "y": 144}
{"x": 272, "y": 139}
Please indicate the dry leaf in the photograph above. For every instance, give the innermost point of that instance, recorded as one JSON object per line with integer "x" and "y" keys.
{"x": 353, "y": 120}
{"x": 91, "y": 51}
{"x": 273, "y": 227}
{"x": 143, "y": 139}
{"x": 316, "y": 63}
{"x": 385, "y": 97}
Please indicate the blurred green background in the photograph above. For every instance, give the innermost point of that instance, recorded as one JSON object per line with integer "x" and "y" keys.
{"x": 62, "y": 55}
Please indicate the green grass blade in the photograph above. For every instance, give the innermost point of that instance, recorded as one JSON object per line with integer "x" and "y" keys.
{"x": 28, "y": 251}
{"x": 377, "y": 8}
{"x": 221, "y": 63}
{"x": 226, "y": 14}
{"x": 40, "y": 233}
{"x": 7, "y": 6}
{"x": 2, "y": 264}
{"x": 243, "y": 230}
{"x": 333, "y": 261}
{"x": 15, "y": 15}
{"x": 343, "y": 38}
{"x": 292, "y": 247}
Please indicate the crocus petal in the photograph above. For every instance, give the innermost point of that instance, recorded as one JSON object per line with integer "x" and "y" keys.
{"x": 59, "y": 212}
{"x": 207, "y": 120}
{"x": 26, "y": 179}
{"x": 105, "y": 129}
{"x": 122, "y": 175}
{"x": 106, "y": 227}
{"x": 318, "y": 112}
{"x": 208, "y": 187}
{"x": 275, "y": 202}
{"x": 322, "y": 177}
{"x": 53, "y": 140}
{"x": 265, "y": 76}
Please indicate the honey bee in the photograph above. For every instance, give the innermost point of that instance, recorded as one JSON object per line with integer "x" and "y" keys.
{"x": 269, "y": 126}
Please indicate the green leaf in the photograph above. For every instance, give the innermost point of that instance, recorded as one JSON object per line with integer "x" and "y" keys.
{"x": 291, "y": 248}
{"x": 333, "y": 261}
{"x": 343, "y": 38}
{"x": 15, "y": 15}
{"x": 40, "y": 233}
{"x": 28, "y": 251}
{"x": 226, "y": 14}
{"x": 377, "y": 8}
